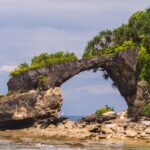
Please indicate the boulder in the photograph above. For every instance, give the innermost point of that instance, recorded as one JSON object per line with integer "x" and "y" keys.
{"x": 22, "y": 109}
{"x": 93, "y": 118}
{"x": 147, "y": 123}
{"x": 131, "y": 133}
{"x": 109, "y": 116}
{"x": 147, "y": 131}
{"x": 106, "y": 129}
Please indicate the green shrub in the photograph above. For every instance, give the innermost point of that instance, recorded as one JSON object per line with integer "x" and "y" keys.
{"x": 21, "y": 68}
{"x": 44, "y": 59}
{"x": 1, "y": 96}
{"x": 42, "y": 82}
{"x": 146, "y": 109}
{"x": 126, "y": 45}
{"x": 104, "y": 110}
{"x": 9, "y": 93}
{"x": 144, "y": 64}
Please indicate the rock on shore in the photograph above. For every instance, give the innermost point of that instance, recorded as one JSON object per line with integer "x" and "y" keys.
{"x": 116, "y": 128}
{"x": 23, "y": 109}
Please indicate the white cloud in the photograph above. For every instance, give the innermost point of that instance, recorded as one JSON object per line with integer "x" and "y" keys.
{"x": 93, "y": 89}
{"x": 100, "y": 89}
{"x": 24, "y": 43}
{"x": 57, "y": 6}
{"x": 68, "y": 14}
{"x": 7, "y": 68}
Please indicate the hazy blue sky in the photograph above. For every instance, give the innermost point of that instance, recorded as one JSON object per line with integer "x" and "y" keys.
{"x": 29, "y": 27}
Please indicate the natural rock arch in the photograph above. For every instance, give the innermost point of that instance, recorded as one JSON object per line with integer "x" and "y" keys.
{"x": 29, "y": 103}
{"x": 122, "y": 68}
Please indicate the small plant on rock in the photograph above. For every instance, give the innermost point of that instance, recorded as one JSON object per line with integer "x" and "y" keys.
{"x": 103, "y": 110}
{"x": 146, "y": 110}
{"x": 1, "y": 96}
{"x": 9, "y": 93}
{"x": 42, "y": 82}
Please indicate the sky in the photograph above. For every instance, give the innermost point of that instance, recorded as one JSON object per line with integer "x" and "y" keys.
{"x": 30, "y": 27}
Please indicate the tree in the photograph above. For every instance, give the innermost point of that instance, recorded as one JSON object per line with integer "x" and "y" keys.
{"x": 136, "y": 33}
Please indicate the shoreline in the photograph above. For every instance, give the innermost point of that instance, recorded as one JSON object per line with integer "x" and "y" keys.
{"x": 22, "y": 136}
{"x": 69, "y": 133}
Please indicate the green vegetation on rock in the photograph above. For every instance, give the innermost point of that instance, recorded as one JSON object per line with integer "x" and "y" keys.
{"x": 146, "y": 110}
{"x": 134, "y": 34}
{"x": 9, "y": 93}
{"x": 42, "y": 82}
{"x": 44, "y": 59}
{"x": 1, "y": 96}
{"x": 21, "y": 68}
{"x": 101, "y": 111}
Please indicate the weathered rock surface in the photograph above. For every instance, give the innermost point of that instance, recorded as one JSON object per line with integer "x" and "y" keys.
{"x": 93, "y": 118}
{"x": 117, "y": 126}
{"x": 116, "y": 129}
{"x": 109, "y": 116}
{"x": 141, "y": 98}
{"x": 23, "y": 109}
{"x": 121, "y": 68}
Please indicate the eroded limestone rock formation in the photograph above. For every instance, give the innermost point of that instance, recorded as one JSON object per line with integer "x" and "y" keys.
{"x": 25, "y": 108}
{"x": 36, "y": 92}
{"x": 121, "y": 68}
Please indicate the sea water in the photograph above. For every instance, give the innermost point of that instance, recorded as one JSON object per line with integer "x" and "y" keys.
{"x": 9, "y": 145}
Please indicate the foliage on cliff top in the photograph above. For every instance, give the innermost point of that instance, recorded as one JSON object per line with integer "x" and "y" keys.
{"x": 44, "y": 59}
{"x": 136, "y": 33}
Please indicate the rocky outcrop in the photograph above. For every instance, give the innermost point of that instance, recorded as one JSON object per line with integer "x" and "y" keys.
{"x": 122, "y": 68}
{"x": 94, "y": 118}
{"x": 23, "y": 109}
{"x": 113, "y": 129}
{"x": 140, "y": 99}
{"x": 37, "y": 94}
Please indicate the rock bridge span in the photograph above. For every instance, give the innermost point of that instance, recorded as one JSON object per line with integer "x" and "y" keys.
{"x": 121, "y": 68}
{"x": 37, "y": 93}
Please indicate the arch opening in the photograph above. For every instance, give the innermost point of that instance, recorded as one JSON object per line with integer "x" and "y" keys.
{"x": 86, "y": 92}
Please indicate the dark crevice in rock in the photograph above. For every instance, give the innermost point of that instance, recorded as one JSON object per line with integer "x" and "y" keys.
{"x": 16, "y": 124}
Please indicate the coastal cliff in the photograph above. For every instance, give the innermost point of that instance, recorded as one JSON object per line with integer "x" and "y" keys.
{"x": 122, "y": 68}
{"x": 36, "y": 100}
